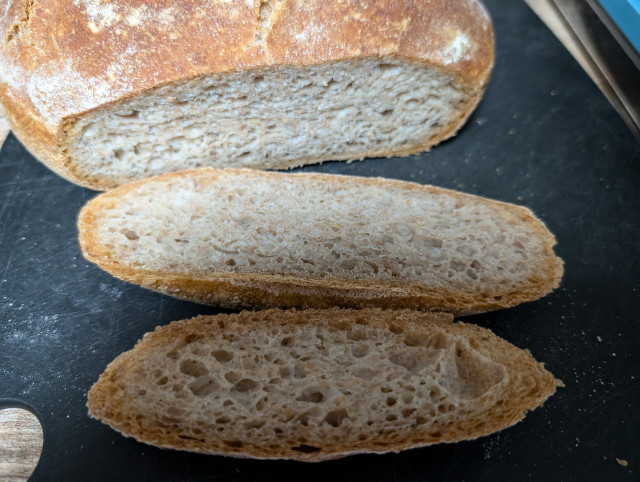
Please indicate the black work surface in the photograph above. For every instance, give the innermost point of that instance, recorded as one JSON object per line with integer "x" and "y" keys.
{"x": 543, "y": 137}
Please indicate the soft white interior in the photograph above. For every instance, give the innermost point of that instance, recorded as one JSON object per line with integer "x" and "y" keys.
{"x": 248, "y": 222}
{"x": 269, "y": 119}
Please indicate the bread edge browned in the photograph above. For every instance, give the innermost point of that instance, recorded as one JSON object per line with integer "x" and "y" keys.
{"x": 237, "y": 290}
{"x": 532, "y": 377}
{"x": 48, "y": 140}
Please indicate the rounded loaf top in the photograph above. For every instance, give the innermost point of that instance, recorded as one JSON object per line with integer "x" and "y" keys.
{"x": 61, "y": 58}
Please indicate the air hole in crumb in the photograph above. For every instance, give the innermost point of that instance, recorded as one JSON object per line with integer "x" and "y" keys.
{"x": 406, "y": 412}
{"x": 191, "y": 337}
{"x": 457, "y": 265}
{"x": 231, "y": 262}
{"x": 304, "y": 419}
{"x": 417, "y": 339}
{"x": 395, "y": 329}
{"x": 222, "y": 420}
{"x": 385, "y": 389}
{"x": 357, "y": 333}
{"x": 236, "y": 444}
{"x": 299, "y": 371}
{"x": 286, "y": 341}
{"x": 130, "y": 235}
{"x": 386, "y": 66}
{"x": 359, "y": 350}
{"x": 187, "y": 437}
{"x": 222, "y": 356}
{"x": 162, "y": 381}
{"x": 118, "y": 154}
{"x": 173, "y": 354}
{"x": 391, "y": 418}
{"x": 193, "y": 368}
{"x": 254, "y": 424}
{"x": 331, "y": 82}
{"x": 365, "y": 373}
{"x": 203, "y": 386}
{"x": 391, "y": 401}
{"x": 258, "y": 78}
{"x": 386, "y": 112}
{"x": 335, "y": 417}
{"x": 306, "y": 449}
{"x": 134, "y": 114}
{"x": 232, "y": 377}
{"x": 311, "y": 395}
{"x": 421, "y": 420}
{"x": 246, "y": 385}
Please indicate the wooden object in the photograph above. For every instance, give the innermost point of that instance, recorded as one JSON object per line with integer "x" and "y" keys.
{"x": 20, "y": 444}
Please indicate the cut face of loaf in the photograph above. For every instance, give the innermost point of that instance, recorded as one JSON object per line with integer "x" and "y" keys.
{"x": 108, "y": 95}
{"x": 242, "y": 238}
{"x": 317, "y": 384}
{"x": 275, "y": 118}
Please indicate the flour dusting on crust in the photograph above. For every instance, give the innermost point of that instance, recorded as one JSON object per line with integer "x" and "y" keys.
{"x": 54, "y": 89}
{"x": 459, "y": 49}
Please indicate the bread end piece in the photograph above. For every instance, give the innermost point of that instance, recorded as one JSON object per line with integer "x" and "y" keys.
{"x": 318, "y": 384}
{"x": 62, "y": 70}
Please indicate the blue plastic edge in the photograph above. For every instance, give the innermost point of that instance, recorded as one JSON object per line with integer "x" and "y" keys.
{"x": 626, "y": 14}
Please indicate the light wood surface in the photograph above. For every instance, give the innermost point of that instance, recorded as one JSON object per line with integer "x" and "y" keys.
{"x": 4, "y": 130}
{"x": 20, "y": 444}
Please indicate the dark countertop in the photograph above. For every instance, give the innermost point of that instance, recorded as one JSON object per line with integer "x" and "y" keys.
{"x": 543, "y": 137}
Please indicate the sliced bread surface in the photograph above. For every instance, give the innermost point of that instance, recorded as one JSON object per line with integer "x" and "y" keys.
{"x": 106, "y": 94}
{"x": 243, "y": 238}
{"x": 317, "y": 384}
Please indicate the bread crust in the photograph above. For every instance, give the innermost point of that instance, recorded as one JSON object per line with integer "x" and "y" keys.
{"x": 256, "y": 290}
{"x": 62, "y": 59}
{"x": 525, "y": 384}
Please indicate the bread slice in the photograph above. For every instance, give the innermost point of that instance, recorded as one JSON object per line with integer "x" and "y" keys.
{"x": 106, "y": 94}
{"x": 243, "y": 238}
{"x": 318, "y": 384}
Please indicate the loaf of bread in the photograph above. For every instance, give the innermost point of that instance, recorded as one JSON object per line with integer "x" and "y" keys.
{"x": 317, "y": 384}
{"x": 240, "y": 238}
{"x": 109, "y": 92}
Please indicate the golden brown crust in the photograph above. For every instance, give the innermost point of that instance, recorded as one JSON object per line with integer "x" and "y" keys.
{"x": 62, "y": 59}
{"x": 255, "y": 290}
{"x": 529, "y": 383}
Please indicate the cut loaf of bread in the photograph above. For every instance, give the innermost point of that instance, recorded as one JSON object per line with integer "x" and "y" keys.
{"x": 109, "y": 92}
{"x": 243, "y": 238}
{"x": 318, "y": 384}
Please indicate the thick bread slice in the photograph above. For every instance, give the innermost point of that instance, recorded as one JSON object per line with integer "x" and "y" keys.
{"x": 318, "y": 384}
{"x": 243, "y": 238}
{"x": 109, "y": 92}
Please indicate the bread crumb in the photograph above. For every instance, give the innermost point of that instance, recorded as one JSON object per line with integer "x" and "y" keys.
{"x": 622, "y": 462}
